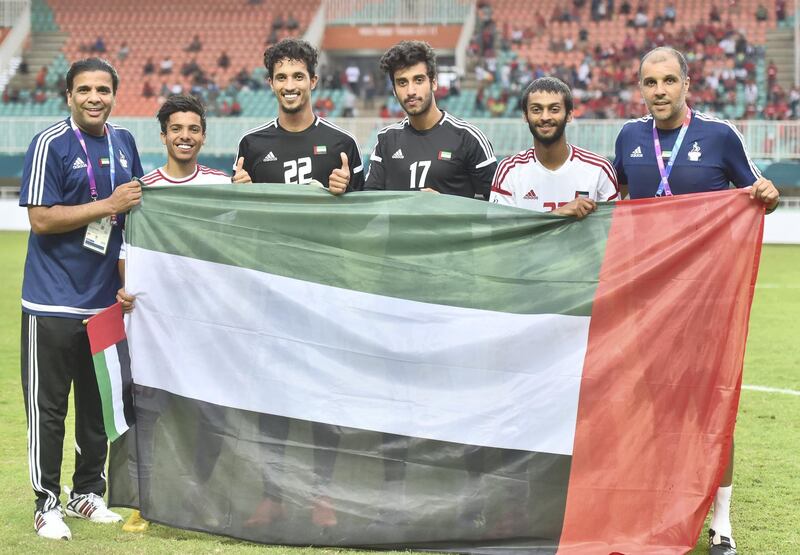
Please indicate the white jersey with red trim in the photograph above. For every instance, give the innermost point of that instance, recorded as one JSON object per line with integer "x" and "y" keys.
{"x": 203, "y": 175}
{"x": 523, "y": 181}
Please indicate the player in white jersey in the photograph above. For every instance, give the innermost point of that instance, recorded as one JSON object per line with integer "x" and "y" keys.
{"x": 183, "y": 132}
{"x": 553, "y": 176}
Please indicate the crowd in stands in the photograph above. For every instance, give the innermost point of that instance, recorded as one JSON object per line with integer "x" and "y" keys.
{"x": 722, "y": 63}
{"x": 161, "y": 78}
{"x": 723, "y": 66}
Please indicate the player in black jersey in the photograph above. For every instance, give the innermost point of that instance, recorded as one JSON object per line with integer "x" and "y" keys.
{"x": 298, "y": 146}
{"x": 430, "y": 150}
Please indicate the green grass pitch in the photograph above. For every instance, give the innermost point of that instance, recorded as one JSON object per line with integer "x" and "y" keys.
{"x": 766, "y": 499}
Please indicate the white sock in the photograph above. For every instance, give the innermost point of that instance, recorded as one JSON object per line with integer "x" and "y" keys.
{"x": 721, "y": 520}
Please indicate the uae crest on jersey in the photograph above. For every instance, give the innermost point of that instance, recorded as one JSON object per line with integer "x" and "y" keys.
{"x": 320, "y": 149}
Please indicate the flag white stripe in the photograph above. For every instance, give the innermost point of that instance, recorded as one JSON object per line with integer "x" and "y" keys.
{"x": 320, "y": 353}
{"x": 115, "y": 379}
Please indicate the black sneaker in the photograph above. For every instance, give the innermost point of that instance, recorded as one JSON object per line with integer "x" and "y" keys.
{"x": 720, "y": 545}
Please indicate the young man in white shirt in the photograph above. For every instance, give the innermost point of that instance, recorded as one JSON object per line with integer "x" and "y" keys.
{"x": 553, "y": 176}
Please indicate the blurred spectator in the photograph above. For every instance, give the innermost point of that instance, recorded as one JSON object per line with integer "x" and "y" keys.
{"x": 23, "y": 67}
{"x": 10, "y": 94}
{"x": 195, "y": 46}
{"x": 497, "y": 106}
{"x": 714, "y": 15}
{"x": 670, "y": 13}
{"x": 147, "y": 90}
{"x": 772, "y": 74}
{"x": 780, "y": 10}
{"x": 99, "y": 46}
{"x": 751, "y": 92}
{"x": 353, "y": 75}
{"x": 224, "y": 60}
{"x": 123, "y": 52}
{"x": 41, "y": 77}
{"x": 625, "y": 8}
{"x": 349, "y": 110}
{"x": 165, "y": 68}
{"x": 761, "y": 13}
{"x": 323, "y": 107}
{"x": 368, "y": 90}
{"x": 149, "y": 67}
{"x": 794, "y": 102}
{"x": 641, "y": 20}
{"x": 291, "y": 23}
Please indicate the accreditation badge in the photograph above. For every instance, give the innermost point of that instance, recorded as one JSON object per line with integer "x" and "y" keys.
{"x": 98, "y": 234}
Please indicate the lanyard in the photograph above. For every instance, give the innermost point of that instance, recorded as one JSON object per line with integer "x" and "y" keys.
{"x": 89, "y": 166}
{"x": 663, "y": 187}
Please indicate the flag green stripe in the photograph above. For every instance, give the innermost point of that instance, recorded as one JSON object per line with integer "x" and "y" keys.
{"x": 440, "y": 249}
{"x": 106, "y": 395}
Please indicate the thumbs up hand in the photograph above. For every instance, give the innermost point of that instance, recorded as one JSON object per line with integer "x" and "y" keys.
{"x": 340, "y": 177}
{"x": 240, "y": 175}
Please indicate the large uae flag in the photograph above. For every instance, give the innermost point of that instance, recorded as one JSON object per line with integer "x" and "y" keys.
{"x": 430, "y": 372}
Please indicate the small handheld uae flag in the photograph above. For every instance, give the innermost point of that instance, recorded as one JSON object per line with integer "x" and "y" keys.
{"x": 112, "y": 366}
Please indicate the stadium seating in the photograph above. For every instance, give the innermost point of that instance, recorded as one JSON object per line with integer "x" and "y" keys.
{"x": 546, "y": 29}
{"x": 152, "y": 31}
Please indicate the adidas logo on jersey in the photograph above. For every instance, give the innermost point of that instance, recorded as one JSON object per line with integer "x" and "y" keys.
{"x": 637, "y": 153}
{"x": 270, "y": 157}
{"x": 531, "y": 195}
{"x": 398, "y": 155}
{"x": 78, "y": 164}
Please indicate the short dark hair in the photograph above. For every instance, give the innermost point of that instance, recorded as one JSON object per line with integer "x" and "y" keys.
{"x": 550, "y": 85}
{"x": 291, "y": 49}
{"x": 406, "y": 54}
{"x": 180, "y": 103}
{"x": 669, "y": 51}
{"x": 92, "y": 64}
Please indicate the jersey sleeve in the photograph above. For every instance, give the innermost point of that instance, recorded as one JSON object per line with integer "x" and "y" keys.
{"x": 376, "y": 177}
{"x": 502, "y": 192}
{"x": 739, "y": 168}
{"x": 356, "y": 167}
{"x": 43, "y": 174}
{"x": 136, "y": 166}
{"x": 481, "y": 163}
{"x": 243, "y": 152}
{"x": 607, "y": 187}
{"x": 619, "y": 167}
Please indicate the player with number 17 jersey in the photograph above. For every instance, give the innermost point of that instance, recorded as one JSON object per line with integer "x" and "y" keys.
{"x": 274, "y": 155}
{"x": 452, "y": 157}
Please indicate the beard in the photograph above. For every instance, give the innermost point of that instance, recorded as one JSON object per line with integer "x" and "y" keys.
{"x": 423, "y": 107}
{"x": 554, "y": 138}
{"x": 294, "y": 109}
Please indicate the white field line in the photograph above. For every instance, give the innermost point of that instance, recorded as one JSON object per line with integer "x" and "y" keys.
{"x": 765, "y": 389}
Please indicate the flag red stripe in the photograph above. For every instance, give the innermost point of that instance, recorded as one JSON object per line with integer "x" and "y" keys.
{"x": 105, "y": 328}
{"x": 662, "y": 374}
